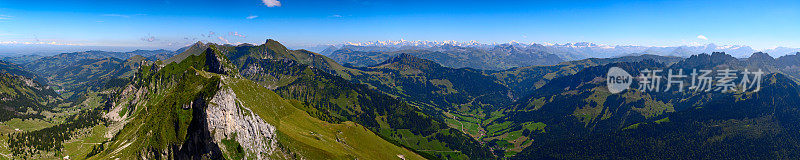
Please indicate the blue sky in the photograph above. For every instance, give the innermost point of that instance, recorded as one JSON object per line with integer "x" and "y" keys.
{"x": 171, "y": 24}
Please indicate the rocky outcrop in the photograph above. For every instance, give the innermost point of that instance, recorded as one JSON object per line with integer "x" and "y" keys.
{"x": 214, "y": 63}
{"x": 226, "y": 117}
{"x": 197, "y": 144}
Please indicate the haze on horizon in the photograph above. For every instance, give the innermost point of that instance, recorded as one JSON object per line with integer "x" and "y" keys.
{"x": 56, "y": 26}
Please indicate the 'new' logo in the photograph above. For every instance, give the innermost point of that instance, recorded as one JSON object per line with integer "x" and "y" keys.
{"x": 618, "y": 80}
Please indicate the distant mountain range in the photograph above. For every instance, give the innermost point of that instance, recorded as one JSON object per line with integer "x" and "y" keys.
{"x": 567, "y": 52}
{"x": 495, "y": 58}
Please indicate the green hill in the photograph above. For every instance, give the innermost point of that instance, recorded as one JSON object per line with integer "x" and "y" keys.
{"x": 314, "y": 81}
{"x": 185, "y": 111}
{"x": 584, "y": 121}
{"x": 426, "y": 83}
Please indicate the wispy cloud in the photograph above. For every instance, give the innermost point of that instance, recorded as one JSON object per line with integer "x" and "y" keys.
{"x": 702, "y": 37}
{"x": 5, "y": 18}
{"x": 252, "y": 17}
{"x": 223, "y": 39}
{"x": 271, "y": 3}
{"x": 210, "y": 34}
{"x": 237, "y": 34}
{"x": 149, "y": 39}
{"x": 336, "y": 16}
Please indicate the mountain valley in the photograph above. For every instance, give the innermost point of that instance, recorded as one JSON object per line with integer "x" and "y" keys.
{"x": 265, "y": 101}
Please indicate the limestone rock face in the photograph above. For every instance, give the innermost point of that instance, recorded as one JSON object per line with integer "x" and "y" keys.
{"x": 226, "y": 117}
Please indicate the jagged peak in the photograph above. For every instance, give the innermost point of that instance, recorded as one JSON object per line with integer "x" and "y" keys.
{"x": 195, "y": 49}
{"x": 214, "y": 62}
{"x": 705, "y": 60}
{"x": 722, "y": 56}
{"x": 272, "y": 42}
{"x": 198, "y": 43}
{"x": 761, "y": 55}
{"x": 275, "y": 46}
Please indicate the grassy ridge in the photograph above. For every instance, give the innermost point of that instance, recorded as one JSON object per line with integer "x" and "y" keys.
{"x": 326, "y": 93}
{"x": 313, "y": 138}
{"x": 162, "y": 121}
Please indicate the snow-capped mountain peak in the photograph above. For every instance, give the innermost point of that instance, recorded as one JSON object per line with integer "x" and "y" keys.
{"x": 576, "y": 50}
